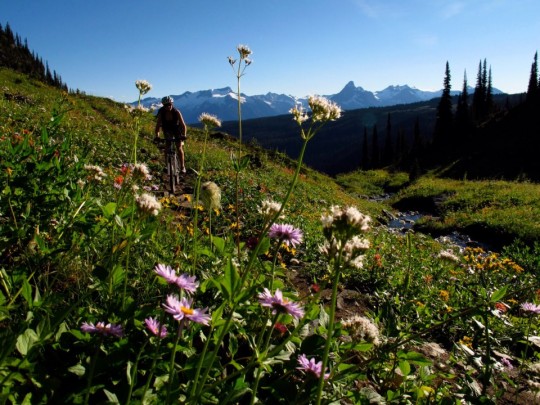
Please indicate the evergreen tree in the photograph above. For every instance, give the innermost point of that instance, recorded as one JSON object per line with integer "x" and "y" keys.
{"x": 463, "y": 121}
{"x": 444, "y": 119}
{"x": 365, "y": 151}
{"x": 388, "y": 151}
{"x": 534, "y": 84}
{"x": 375, "y": 153}
{"x": 489, "y": 95}
{"x": 478, "y": 96}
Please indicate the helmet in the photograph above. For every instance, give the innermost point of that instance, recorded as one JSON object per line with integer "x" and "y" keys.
{"x": 167, "y": 100}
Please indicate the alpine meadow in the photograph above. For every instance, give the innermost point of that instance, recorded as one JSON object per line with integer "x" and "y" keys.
{"x": 409, "y": 278}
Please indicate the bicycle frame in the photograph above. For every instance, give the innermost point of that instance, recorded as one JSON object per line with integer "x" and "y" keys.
{"x": 172, "y": 162}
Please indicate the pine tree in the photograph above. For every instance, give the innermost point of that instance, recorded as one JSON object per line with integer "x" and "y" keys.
{"x": 534, "y": 83}
{"x": 375, "y": 153}
{"x": 365, "y": 151}
{"x": 444, "y": 120}
{"x": 388, "y": 151}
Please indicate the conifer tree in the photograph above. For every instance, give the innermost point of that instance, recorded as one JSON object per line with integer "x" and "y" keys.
{"x": 388, "y": 151}
{"x": 534, "y": 84}
{"x": 444, "y": 120}
{"x": 375, "y": 153}
{"x": 365, "y": 151}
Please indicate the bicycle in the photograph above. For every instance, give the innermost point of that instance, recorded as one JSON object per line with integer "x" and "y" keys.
{"x": 172, "y": 161}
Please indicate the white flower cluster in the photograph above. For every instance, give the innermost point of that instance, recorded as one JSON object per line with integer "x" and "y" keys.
{"x": 142, "y": 171}
{"x": 341, "y": 228}
{"x": 143, "y": 86}
{"x": 97, "y": 172}
{"x": 362, "y": 328}
{"x": 148, "y": 204}
{"x": 448, "y": 255}
{"x": 348, "y": 216}
{"x": 352, "y": 250}
{"x": 209, "y": 120}
{"x": 269, "y": 208}
{"x": 244, "y": 51}
{"x": 211, "y": 195}
{"x": 299, "y": 114}
{"x": 323, "y": 109}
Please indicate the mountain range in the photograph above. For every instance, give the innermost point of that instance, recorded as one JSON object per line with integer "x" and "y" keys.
{"x": 223, "y": 103}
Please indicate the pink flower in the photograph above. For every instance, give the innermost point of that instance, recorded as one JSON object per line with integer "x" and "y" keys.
{"x": 181, "y": 309}
{"x": 155, "y": 327}
{"x": 286, "y": 233}
{"x": 530, "y": 307}
{"x": 102, "y": 329}
{"x": 187, "y": 283}
{"x": 309, "y": 366}
{"x": 280, "y": 304}
{"x": 166, "y": 272}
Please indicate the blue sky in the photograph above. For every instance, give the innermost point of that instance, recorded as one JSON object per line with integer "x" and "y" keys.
{"x": 300, "y": 47}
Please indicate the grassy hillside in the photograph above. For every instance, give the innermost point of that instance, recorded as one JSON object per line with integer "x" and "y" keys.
{"x": 114, "y": 291}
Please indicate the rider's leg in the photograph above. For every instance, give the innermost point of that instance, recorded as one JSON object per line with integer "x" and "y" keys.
{"x": 181, "y": 156}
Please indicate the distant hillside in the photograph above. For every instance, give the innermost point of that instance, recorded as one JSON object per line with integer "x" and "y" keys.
{"x": 338, "y": 147}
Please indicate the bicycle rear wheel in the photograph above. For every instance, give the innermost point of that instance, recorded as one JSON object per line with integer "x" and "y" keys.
{"x": 172, "y": 169}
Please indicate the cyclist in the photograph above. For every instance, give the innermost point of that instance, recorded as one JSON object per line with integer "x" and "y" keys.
{"x": 170, "y": 120}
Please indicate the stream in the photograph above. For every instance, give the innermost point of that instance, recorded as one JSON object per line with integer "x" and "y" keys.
{"x": 402, "y": 222}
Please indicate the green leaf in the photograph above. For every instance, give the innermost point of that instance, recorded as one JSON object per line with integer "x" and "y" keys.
{"x": 499, "y": 294}
{"x": 418, "y": 359}
{"x": 112, "y": 398}
{"x": 219, "y": 243}
{"x": 77, "y": 369}
{"x": 26, "y": 291}
{"x": 405, "y": 367}
{"x": 109, "y": 210}
{"x": 26, "y": 341}
{"x": 230, "y": 278}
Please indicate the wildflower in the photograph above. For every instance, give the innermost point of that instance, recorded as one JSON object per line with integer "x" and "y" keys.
{"x": 209, "y": 120}
{"x": 142, "y": 171}
{"x": 97, "y": 172}
{"x": 501, "y": 307}
{"x": 118, "y": 180}
{"x": 269, "y": 208}
{"x": 309, "y": 366}
{"x": 155, "y": 327}
{"x": 445, "y": 295}
{"x": 507, "y": 363}
{"x": 351, "y": 251}
{"x": 211, "y": 195}
{"x": 315, "y": 288}
{"x": 280, "y": 304}
{"x": 343, "y": 223}
{"x": 362, "y": 328}
{"x": 231, "y": 60}
{"x": 148, "y": 203}
{"x": 299, "y": 114}
{"x": 286, "y": 233}
{"x": 143, "y": 86}
{"x": 181, "y": 309}
{"x": 102, "y": 329}
{"x": 244, "y": 51}
{"x": 80, "y": 183}
{"x": 323, "y": 109}
{"x": 187, "y": 283}
{"x": 530, "y": 307}
{"x": 167, "y": 273}
{"x": 448, "y": 255}
{"x": 282, "y": 329}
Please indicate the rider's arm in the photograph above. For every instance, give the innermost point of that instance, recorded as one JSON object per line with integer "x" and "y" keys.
{"x": 158, "y": 125}
{"x": 183, "y": 127}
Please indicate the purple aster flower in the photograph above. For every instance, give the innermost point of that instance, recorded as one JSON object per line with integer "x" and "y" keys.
{"x": 309, "y": 366}
{"x": 507, "y": 363}
{"x": 155, "y": 327}
{"x": 187, "y": 283}
{"x": 530, "y": 307}
{"x": 280, "y": 304}
{"x": 167, "y": 272}
{"x": 181, "y": 309}
{"x": 102, "y": 329}
{"x": 286, "y": 233}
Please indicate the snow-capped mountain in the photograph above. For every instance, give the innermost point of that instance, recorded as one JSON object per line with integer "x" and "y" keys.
{"x": 223, "y": 103}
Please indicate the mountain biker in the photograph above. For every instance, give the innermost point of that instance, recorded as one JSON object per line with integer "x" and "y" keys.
{"x": 171, "y": 122}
